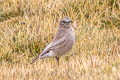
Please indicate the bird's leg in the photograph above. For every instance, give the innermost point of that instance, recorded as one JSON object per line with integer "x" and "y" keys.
{"x": 57, "y": 58}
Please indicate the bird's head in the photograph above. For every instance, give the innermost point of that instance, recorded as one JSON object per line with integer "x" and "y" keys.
{"x": 65, "y": 22}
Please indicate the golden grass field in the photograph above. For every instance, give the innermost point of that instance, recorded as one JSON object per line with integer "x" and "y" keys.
{"x": 27, "y": 26}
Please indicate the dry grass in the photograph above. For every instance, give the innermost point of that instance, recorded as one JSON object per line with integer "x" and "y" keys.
{"x": 27, "y": 26}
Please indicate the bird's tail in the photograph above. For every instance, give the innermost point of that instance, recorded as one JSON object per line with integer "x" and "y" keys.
{"x": 36, "y": 58}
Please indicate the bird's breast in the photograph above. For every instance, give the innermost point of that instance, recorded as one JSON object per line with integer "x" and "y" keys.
{"x": 69, "y": 42}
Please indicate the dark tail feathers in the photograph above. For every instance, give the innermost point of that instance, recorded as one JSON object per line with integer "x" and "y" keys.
{"x": 34, "y": 59}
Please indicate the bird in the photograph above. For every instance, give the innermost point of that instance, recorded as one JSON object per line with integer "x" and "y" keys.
{"x": 61, "y": 44}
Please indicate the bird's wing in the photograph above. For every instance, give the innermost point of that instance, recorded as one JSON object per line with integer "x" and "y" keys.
{"x": 57, "y": 42}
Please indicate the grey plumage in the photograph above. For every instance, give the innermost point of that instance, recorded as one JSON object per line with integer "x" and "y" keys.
{"x": 61, "y": 43}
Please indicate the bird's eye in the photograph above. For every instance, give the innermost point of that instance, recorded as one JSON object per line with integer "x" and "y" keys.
{"x": 63, "y": 21}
